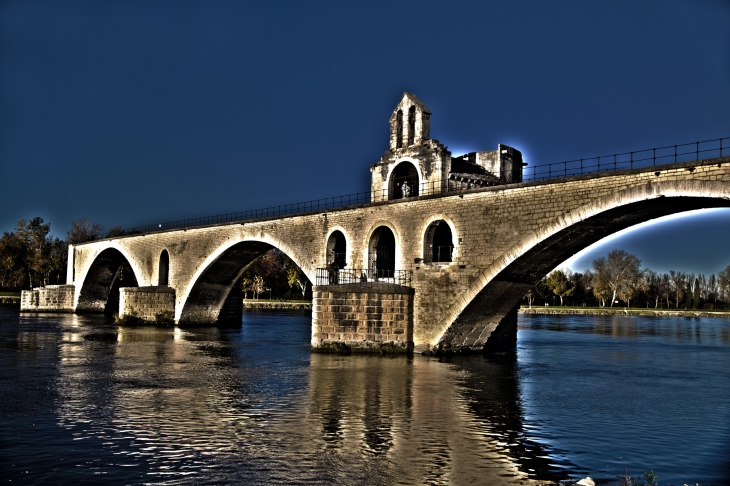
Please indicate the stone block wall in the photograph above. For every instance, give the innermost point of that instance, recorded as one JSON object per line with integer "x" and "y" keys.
{"x": 146, "y": 302}
{"x": 363, "y": 317}
{"x": 53, "y": 298}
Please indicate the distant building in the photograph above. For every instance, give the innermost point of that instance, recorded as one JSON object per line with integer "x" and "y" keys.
{"x": 415, "y": 164}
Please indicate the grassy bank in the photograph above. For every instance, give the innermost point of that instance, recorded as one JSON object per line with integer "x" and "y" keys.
{"x": 631, "y": 311}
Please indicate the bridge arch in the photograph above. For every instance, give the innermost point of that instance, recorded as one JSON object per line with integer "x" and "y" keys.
{"x": 212, "y": 294}
{"x": 405, "y": 170}
{"x": 110, "y": 270}
{"x": 499, "y": 288}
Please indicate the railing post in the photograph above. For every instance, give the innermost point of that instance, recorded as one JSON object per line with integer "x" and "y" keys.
{"x": 675, "y": 154}
{"x": 581, "y": 166}
{"x": 697, "y": 150}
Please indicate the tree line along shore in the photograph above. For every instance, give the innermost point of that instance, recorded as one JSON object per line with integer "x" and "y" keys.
{"x": 618, "y": 280}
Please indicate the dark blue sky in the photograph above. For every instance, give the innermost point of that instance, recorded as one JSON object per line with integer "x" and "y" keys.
{"x": 133, "y": 113}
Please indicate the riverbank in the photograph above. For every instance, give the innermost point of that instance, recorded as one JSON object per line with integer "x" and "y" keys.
{"x": 276, "y": 304}
{"x": 10, "y": 301}
{"x": 609, "y": 311}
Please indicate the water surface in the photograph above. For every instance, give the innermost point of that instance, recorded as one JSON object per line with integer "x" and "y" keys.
{"x": 85, "y": 401}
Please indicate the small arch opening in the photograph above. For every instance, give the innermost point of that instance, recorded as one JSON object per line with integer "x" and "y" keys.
{"x": 411, "y": 125}
{"x": 399, "y": 129}
{"x": 404, "y": 181}
{"x": 439, "y": 243}
{"x": 382, "y": 253}
{"x": 337, "y": 250}
{"x": 164, "y": 272}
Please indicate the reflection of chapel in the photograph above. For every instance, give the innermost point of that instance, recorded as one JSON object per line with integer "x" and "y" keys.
{"x": 417, "y": 165}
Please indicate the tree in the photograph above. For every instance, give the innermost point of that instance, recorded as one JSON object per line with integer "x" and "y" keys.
{"x": 654, "y": 286}
{"x": 617, "y": 275}
{"x": 560, "y": 285}
{"x": 635, "y": 282}
{"x": 295, "y": 277}
{"x": 713, "y": 288}
{"x": 30, "y": 257}
{"x": 83, "y": 230}
{"x": 723, "y": 282}
{"x": 12, "y": 257}
{"x": 530, "y": 296}
{"x": 677, "y": 280}
{"x": 542, "y": 289}
{"x": 696, "y": 294}
{"x": 258, "y": 286}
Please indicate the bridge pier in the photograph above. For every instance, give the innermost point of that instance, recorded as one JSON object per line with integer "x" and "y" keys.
{"x": 53, "y": 298}
{"x": 153, "y": 303}
{"x": 369, "y": 317}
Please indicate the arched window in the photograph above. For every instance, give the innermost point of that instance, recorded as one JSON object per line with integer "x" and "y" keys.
{"x": 438, "y": 243}
{"x": 336, "y": 250}
{"x": 164, "y": 268}
{"x": 399, "y": 129}
{"x": 411, "y": 125}
{"x": 403, "y": 181}
{"x": 382, "y": 253}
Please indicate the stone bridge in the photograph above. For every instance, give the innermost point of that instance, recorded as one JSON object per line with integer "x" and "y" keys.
{"x": 505, "y": 238}
{"x": 470, "y": 236}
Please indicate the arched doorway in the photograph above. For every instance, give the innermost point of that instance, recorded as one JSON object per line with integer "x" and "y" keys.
{"x": 439, "y": 243}
{"x": 100, "y": 290}
{"x": 337, "y": 250}
{"x": 164, "y": 271}
{"x": 404, "y": 181}
{"x": 382, "y": 253}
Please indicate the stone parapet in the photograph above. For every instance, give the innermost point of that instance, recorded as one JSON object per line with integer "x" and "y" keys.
{"x": 147, "y": 303}
{"x": 362, "y": 318}
{"x": 53, "y": 298}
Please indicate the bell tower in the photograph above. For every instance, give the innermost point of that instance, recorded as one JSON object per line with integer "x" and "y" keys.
{"x": 409, "y": 123}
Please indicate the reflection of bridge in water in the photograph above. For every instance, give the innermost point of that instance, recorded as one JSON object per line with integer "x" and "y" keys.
{"x": 219, "y": 404}
{"x": 473, "y": 238}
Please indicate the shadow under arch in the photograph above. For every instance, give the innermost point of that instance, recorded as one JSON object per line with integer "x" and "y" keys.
{"x": 100, "y": 290}
{"x": 216, "y": 296}
{"x": 488, "y": 321}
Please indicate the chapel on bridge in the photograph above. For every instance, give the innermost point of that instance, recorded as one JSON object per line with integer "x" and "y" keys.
{"x": 415, "y": 164}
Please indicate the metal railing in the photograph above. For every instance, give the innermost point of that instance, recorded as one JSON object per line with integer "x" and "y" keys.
{"x": 440, "y": 254}
{"x": 671, "y": 154}
{"x": 687, "y": 152}
{"x": 326, "y": 276}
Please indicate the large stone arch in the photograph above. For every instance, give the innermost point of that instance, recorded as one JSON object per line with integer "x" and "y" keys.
{"x": 474, "y": 321}
{"x": 111, "y": 269}
{"x": 211, "y": 296}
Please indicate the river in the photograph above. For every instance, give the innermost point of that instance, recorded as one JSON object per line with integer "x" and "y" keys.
{"x": 84, "y": 401}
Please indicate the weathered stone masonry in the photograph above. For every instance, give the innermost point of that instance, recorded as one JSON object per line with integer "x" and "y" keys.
{"x": 53, "y": 298}
{"x": 147, "y": 303}
{"x": 363, "y": 317}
